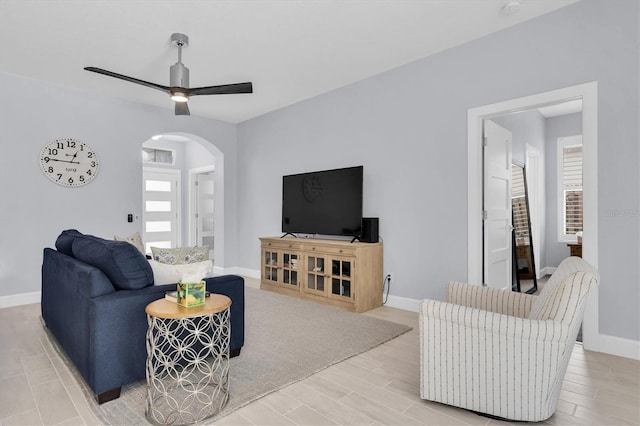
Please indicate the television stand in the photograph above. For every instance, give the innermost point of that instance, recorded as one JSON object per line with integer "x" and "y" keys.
{"x": 335, "y": 272}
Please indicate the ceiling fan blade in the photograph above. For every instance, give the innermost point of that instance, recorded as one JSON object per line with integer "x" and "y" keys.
{"x": 182, "y": 108}
{"x": 223, "y": 89}
{"x": 129, "y": 79}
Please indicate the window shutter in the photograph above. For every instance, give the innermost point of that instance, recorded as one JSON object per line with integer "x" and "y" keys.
{"x": 572, "y": 182}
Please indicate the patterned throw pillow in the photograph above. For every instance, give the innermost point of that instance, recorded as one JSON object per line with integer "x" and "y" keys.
{"x": 180, "y": 256}
{"x": 134, "y": 239}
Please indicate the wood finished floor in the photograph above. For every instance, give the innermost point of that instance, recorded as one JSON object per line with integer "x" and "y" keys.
{"x": 378, "y": 387}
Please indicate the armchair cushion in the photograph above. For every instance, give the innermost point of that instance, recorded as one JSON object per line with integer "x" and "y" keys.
{"x": 565, "y": 298}
{"x": 567, "y": 267}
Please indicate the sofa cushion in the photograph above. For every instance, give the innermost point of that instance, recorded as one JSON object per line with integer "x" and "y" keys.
{"x": 179, "y": 256}
{"x": 126, "y": 267}
{"x": 65, "y": 239}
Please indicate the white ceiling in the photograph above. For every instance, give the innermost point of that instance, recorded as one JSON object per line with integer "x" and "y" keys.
{"x": 290, "y": 50}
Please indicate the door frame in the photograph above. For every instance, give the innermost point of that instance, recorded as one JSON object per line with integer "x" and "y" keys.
{"x": 475, "y": 116}
{"x": 192, "y": 199}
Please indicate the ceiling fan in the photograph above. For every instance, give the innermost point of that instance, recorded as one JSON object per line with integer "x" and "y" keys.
{"x": 179, "y": 80}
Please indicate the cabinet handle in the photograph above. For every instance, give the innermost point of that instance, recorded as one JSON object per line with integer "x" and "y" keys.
{"x": 289, "y": 245}
{"x": 340, "y": 250}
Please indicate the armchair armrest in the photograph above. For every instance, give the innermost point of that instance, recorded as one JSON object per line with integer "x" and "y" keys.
{"x": 489, "y": 299}
{"x": 484, "y": 323}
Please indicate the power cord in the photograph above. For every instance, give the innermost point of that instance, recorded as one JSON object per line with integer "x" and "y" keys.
{"x": 386, "y": 282}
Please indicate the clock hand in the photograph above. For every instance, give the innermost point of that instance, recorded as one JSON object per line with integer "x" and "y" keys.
{"x": 74, "y": 156}
{"x": 64, "y": 161}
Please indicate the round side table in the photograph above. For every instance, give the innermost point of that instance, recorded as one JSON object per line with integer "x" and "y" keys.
{"x": 187, "y": 360}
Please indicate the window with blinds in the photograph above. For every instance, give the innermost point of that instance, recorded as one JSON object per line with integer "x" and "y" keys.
{"x": 570, "y": 187}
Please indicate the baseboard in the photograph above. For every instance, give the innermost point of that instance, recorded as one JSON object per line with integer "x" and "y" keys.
{"x": 548, "y": 270}
{"x": 404, "y": 303}
{"x": 19, "y": 299}
{"x": 619, "y": 346}
{"x": 245, "y": 272}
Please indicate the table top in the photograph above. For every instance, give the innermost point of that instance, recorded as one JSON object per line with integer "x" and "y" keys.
{"x": 164, "y": 308}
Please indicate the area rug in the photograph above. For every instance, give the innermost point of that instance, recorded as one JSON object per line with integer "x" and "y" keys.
{"x": 286, "y": 340}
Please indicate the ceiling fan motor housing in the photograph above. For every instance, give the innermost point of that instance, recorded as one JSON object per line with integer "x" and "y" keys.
{"x": 178, "y": 75}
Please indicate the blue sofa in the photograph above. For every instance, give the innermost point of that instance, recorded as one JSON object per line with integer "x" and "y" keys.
{"x": 94, "y": 294}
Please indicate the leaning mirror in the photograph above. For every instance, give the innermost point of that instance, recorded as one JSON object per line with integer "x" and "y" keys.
{"x": 523, "y": 262}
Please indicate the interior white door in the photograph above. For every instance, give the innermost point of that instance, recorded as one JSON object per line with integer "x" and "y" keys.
{"x": 160, "y": 209}
{"x": 204, "y": 218}
{"x": 497, "y": 244}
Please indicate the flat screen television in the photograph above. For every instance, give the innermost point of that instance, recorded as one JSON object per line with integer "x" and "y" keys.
{"x": 327, "y": 202}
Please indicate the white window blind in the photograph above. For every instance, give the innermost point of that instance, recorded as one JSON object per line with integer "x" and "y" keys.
{"x": 570, "y": 186}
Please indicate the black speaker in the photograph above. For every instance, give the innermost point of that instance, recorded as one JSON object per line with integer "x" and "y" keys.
{"x": 369, "y": 230}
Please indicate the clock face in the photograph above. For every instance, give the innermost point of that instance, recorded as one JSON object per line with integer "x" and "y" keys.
{"x": 69, "y": 162}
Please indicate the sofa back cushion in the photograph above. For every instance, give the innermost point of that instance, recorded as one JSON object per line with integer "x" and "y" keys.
{"x": 126, "y": 267}
{"x": 65, "y": 240}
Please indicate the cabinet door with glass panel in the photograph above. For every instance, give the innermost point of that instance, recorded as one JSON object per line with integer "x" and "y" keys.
{"x": 280, "y": 267}
{"x": 342, "y": 280}
{"x": 317, "y": 275}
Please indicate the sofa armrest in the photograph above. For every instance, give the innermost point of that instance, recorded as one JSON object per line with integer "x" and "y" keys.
{"x": 233, "y": 287}
{"x": 489, "y": 299}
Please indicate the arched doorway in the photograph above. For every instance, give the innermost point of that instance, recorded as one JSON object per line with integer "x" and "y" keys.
{"x": 187, "y": 154}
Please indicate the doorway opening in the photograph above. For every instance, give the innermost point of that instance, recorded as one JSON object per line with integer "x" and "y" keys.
{"x": 588, "y": 94}
{"x": 197, "y": 158}
{"x": 202, "y": 208}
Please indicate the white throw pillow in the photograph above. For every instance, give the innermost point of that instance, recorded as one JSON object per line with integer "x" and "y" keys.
{"x": 171, "y": 274}
{"x": 134, "y": 239}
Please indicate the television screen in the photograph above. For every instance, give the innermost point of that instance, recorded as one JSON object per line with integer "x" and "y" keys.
{"x": 326, "y": 202}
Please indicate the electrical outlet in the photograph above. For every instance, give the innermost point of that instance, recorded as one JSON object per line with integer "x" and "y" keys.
{"x": 390, "y": 276}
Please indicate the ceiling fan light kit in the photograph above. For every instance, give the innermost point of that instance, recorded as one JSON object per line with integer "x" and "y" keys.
{"x": 178, "y": 88}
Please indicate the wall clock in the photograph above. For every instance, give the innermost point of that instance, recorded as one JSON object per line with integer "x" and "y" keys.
{"x": 69, "y": 162}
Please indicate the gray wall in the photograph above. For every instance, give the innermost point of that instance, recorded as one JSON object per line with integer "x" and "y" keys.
{"x": 557, "y": 127}
{"x": 35, "y": 210}
{"x": 408, "y": 128}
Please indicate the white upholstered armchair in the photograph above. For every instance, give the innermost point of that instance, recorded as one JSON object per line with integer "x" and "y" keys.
{"x": 503, "y": 353}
